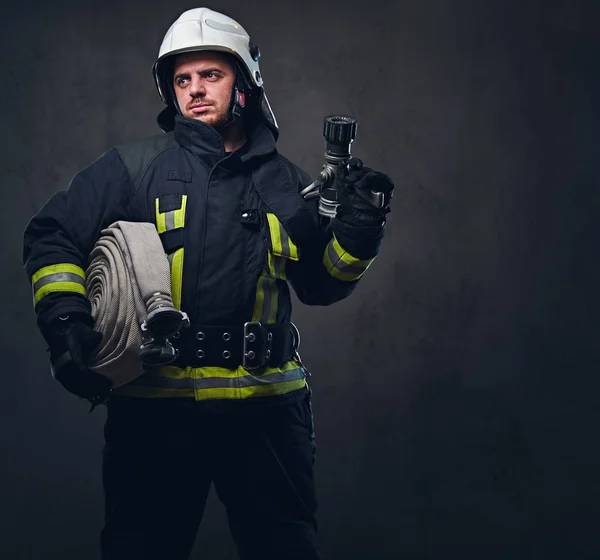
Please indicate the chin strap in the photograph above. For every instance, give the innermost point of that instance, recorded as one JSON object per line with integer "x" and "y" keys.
{"x": 238, "y": 96}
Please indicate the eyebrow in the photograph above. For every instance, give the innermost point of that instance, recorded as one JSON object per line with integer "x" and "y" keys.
{"x": 214, "y": 69}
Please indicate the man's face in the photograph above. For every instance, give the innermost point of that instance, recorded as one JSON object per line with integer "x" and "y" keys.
{"x": 203, "y": 82}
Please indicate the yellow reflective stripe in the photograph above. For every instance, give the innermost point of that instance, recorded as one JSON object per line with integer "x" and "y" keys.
{"x": 347, "y": 257}
{"x": 161, "y": 219}
{"x": 275, "y": 235}
{"x": 58, "y": 287}
{"x": 272, "y": 271}
{"x": 249, "y": 392}
{"x": 208, "y": 372}
{"x": 259, "y": 300}
{"x": 176, "y": 260}
{"x": 281, "y": 244}
{"x": 341, "y": 264}
{"x": 215, "y": 382}
{"x": 266, "y": 300}
{"x": 55, "y": 269}
{"x": 180, "y": 214}
{"x": 216, "y": 393}
{"x": 173, "y": 219}
{"x": 288, "y": 248}
{"x": 62, "y": 277}
{"x": 167, "y": 221}
{"x": 277, "y": 266}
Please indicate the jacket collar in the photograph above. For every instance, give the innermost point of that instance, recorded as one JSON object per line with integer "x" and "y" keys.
{"x": 205, "y": 141}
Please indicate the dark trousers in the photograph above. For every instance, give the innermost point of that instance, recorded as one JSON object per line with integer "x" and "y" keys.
{"x": 161, "y": 456}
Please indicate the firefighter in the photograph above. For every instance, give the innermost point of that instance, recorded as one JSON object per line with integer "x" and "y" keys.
{"x": 234, "y": 409}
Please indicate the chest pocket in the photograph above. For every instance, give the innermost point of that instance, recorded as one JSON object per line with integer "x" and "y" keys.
{"x": 170, "y": 222}
{"x": 280, "y": 248}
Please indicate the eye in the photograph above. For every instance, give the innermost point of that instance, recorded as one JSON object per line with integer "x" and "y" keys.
{"x": 180, "y": 81}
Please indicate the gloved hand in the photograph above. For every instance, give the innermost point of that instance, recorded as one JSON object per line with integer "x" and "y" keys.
{"x": 357, "y": 202}
{"x": 71, "y": 342}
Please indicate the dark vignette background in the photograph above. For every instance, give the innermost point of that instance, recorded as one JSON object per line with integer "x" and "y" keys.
{"x": 456, "y": 391}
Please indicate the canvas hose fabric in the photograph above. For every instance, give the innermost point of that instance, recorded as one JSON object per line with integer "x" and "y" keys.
{"x": 128, "y": 275}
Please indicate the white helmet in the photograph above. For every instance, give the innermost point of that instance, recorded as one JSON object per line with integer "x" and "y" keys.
{"x": 202, "y": 29}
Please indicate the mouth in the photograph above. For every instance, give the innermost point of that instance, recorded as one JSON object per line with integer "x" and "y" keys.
{"x": 199, "y": 108}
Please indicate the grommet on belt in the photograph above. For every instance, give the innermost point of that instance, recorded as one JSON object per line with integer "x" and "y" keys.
{"x": 252, "y": 346}
{"x": 176, "y": 335}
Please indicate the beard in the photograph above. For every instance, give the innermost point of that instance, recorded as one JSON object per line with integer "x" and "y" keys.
{"x": 215, "y": 116}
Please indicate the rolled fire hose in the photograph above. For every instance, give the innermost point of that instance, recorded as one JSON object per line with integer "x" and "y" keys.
{"x": 128, "y": 284}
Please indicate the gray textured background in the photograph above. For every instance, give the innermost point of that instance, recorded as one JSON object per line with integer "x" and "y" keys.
{"x": 456, "y": 391}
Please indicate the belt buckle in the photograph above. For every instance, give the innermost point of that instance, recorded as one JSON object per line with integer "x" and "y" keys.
{"x": 251, "y": 338}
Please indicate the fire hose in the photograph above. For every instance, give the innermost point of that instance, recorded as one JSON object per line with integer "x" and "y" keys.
{"x": 128, "y": 283}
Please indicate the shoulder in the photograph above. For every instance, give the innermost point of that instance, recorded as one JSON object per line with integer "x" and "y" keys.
{"x": 137, "y": 155}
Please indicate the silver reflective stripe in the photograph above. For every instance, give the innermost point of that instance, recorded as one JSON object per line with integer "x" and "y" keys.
{"x": 152, "y": 380}
{"x": 267, "y": 379}
{"x": 170, "y": 258}
{"x": 58, "y": 277}
{"x": 285, "y": 242}
{"x": 278, "y": 265}
{"x": 170, "y": 220}
{"x": 340, "y": 265}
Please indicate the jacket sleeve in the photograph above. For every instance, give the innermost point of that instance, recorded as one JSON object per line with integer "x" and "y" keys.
{"x": 59, "y": 238}
{"x": 332, "y": 267}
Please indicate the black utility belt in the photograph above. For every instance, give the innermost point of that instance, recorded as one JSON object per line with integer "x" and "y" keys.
{"x": 252, "y": 345}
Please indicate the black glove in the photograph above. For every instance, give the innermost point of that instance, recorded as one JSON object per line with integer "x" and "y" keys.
{"x": 71, "y": 341}
{"x": 357, "y": 203}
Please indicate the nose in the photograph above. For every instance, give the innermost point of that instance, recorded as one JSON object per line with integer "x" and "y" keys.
{"x": 197, "y": 88}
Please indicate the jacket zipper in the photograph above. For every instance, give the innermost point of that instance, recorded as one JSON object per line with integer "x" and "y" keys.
{"x": 205, "y": 226}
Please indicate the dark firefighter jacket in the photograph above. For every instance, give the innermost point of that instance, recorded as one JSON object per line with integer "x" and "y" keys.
{"x": 235, "y": 230}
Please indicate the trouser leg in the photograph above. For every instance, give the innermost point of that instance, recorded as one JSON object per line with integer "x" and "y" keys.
{"x": 265, "y": 481}
{"x": 156, "y": 479}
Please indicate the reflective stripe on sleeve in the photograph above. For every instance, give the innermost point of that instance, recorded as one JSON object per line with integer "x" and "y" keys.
{"x": 341, "y": 264}
{"x": 63, "y": 277}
